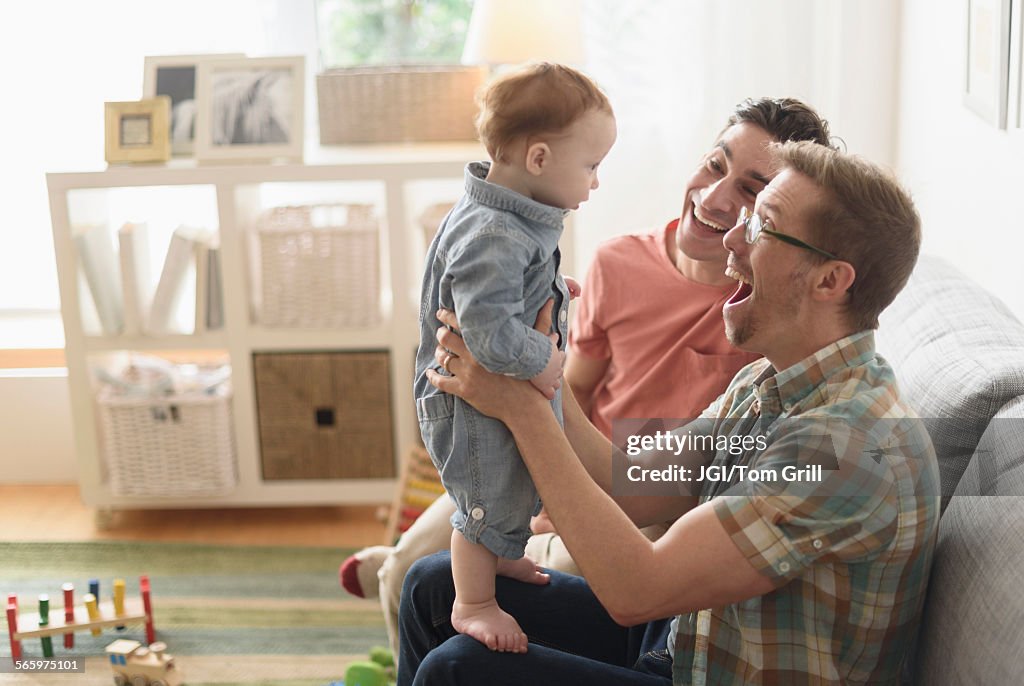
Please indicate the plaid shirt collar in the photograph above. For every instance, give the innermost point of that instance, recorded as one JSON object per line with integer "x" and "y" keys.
{"x": 777, "y": 392}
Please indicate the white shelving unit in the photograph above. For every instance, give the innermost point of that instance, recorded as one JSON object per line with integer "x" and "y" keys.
{"x": 397, "y": 179}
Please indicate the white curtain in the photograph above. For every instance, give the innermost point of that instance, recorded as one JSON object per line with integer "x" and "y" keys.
{"x": 674, "y": 69}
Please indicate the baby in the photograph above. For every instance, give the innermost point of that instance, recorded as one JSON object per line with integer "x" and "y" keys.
{"x": 494, "y": 262}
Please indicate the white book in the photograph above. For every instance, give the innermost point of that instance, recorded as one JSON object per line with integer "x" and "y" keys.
{"x": 98, "y": 263}
{"x": 202, "y": 285}
{"x": 165, "y": 313}
{"x": 136, "y": 280}
{"x": 215, "y": 290}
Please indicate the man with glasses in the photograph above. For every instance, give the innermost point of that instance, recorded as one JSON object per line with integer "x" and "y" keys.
{"x": 818, "y": 577}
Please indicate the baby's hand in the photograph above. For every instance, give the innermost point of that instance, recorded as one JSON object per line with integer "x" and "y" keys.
{"x": 550, "y": 380}
{"x": 574, "y": 287}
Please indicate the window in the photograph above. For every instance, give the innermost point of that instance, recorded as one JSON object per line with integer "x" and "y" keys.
{"x": 357, "y": 32}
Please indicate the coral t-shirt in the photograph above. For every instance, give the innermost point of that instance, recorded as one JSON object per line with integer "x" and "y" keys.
{"x": 663, "y": 332}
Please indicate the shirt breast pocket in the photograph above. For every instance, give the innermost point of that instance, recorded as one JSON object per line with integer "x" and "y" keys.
{"x": 436, "y": 415}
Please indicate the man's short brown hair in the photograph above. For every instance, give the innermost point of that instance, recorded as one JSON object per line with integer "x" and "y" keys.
{"x": 541, "y": 98}
{"x": 784, "y": 119}
{"x": 866, "y": 219}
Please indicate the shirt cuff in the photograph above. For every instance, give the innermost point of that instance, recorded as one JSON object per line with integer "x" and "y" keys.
{"x": 762, "y": 543}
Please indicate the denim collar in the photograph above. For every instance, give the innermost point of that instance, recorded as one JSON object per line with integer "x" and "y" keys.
{"x": 544, "y": 217}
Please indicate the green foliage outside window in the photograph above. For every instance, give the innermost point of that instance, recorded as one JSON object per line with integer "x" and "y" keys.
{"x": 357, "y": 32}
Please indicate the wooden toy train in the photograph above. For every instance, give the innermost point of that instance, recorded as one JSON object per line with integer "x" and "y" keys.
{"x": 138, "y": 666}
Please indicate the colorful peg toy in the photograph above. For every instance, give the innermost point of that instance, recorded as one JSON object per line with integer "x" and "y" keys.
{"x": 92, "y": 616}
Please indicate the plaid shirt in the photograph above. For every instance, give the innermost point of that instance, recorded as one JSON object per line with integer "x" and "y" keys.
{"x": 849, "y": 552}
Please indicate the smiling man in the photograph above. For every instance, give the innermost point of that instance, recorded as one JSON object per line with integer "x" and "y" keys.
{"x": 758, "y": 581}
{"x": 648, "y": 338}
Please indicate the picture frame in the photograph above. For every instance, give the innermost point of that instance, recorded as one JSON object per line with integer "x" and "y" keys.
{"x": 137, "y": 131}
{"x": 175, "y": 76}
{"x": 986, "y": 82}
{"x": 1015, "y": 117}
{"x": 251, "y": 109}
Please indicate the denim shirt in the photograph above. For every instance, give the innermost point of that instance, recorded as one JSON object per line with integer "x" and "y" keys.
{"x": 494, "y": 262}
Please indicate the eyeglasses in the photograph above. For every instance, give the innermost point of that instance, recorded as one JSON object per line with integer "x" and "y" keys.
{"x": 754, "y": 226}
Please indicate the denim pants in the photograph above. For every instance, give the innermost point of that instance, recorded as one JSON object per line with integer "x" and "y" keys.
{"x": 573, "y": 640}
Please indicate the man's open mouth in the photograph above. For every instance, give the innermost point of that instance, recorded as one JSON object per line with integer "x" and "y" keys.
{"x": 745, "y": 289}
{"x": 706, "y": 223}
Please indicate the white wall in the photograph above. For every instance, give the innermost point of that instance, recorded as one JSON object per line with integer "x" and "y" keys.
{"x": 35, "y": 428}
{"x": 967, "y": 177}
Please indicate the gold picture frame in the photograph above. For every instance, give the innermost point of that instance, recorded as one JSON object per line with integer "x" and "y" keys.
{"x": 138, "y": 130}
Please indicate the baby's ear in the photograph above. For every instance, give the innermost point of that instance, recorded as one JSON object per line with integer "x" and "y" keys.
{"x": 538, "y": 155}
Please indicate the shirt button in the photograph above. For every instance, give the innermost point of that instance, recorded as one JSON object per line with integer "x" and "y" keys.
{"x": 784, "y": 567}
{"x": 477, "y": 513}
{"x": 562, "y": 316}
{"x": 817, "y": 543}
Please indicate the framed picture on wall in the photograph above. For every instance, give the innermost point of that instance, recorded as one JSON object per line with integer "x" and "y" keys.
{"x": 988, "y": 59}
{"x": 1016, "y": 114}
{"x": 175, "y": 77}
{"x": 250, "y": 109}
{"x": 136, "y": 131}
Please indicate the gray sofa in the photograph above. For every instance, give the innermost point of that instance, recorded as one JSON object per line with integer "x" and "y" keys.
{"x": 959, "y": 358}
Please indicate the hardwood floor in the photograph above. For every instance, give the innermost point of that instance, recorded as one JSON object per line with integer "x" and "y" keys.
{"x": 55, "y": 513}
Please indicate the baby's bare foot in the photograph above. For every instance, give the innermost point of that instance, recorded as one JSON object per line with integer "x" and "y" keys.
{"x": 523, "y": 569}
{"x": 489, "y": 624}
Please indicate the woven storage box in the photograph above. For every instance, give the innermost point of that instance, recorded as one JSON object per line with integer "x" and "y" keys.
{"x": 397, "y": 104}
{"x": 319, "y": 266}
{"x": 324, "y": 415}
{"x": 176, "y": 446}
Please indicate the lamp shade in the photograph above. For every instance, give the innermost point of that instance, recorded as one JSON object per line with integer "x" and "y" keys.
{"x": 513, "y": 31}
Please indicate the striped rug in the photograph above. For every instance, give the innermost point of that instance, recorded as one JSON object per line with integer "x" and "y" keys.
{"x": 231, "y": 615}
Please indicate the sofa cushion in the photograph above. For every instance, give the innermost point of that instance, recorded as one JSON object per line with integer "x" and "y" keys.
{"x": 958, "y": 354}
{"x": 997, "y": 468}
{"x": 973, "y": 623}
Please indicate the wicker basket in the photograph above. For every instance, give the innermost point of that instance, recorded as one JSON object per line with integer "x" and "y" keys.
{"x": 397, "y": 104}
{"x": 168, "y": 447}
{"x": 319, "y": 266}
{"x": 324, "y": 415}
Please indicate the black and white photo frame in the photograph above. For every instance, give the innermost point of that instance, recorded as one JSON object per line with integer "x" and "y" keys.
{"x": 250, "y": 109}
{"x": 175, "y": 76}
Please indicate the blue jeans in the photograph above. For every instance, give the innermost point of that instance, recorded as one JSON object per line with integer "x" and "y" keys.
{"x": 573, "y": 640}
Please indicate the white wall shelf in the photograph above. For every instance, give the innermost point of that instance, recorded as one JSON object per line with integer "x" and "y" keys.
{"x": 396, "y": 171}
